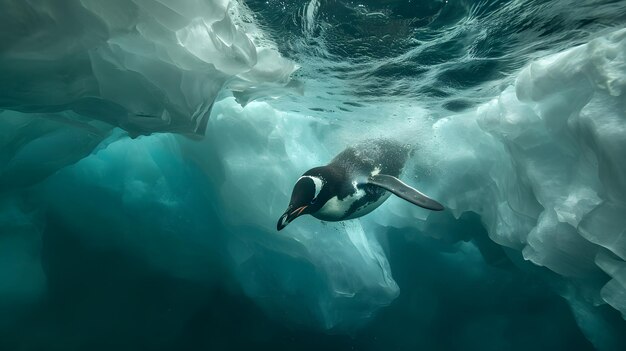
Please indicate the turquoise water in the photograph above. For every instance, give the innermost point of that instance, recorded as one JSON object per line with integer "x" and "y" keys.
{"x": 148, "y": 148}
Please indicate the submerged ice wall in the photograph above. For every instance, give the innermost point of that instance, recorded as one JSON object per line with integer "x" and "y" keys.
{"x": 542, "y": 164}
{"x": 145, "y": 66}
{"x": 561, "y": 196}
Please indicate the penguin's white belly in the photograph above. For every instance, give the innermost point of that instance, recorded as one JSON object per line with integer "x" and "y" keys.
{"x": 336, "y": 210}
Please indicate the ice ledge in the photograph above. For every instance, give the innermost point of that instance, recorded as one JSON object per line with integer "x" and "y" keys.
{"x": 142, "y": 65}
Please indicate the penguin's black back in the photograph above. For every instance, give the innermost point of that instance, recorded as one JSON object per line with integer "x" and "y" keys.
{"x": 357, "y": 162}
{"x": 361, "y": 159}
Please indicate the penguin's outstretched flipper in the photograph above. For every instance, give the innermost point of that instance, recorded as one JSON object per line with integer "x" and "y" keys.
{"x": 404, "y": 191}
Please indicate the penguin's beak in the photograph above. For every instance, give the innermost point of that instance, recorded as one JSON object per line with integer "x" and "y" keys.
{"x": 289, "y": 216}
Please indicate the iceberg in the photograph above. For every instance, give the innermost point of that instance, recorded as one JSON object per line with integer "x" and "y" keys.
{"x": 539, "y": 165}
{"x": 145, "y": 66}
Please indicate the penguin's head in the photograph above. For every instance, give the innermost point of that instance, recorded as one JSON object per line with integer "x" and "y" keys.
{"x": 309, "y": 195}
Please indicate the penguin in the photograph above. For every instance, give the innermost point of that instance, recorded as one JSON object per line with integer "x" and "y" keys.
{"x": 354, "y": 183}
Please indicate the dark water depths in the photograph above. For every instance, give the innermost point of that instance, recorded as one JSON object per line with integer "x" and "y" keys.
{"x": 444, "y": 305}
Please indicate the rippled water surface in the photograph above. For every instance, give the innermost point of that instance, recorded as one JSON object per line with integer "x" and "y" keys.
{"x": 446, "y": 55}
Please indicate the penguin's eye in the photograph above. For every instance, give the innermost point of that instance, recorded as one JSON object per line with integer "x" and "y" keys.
{"x": 313, "y": 201}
